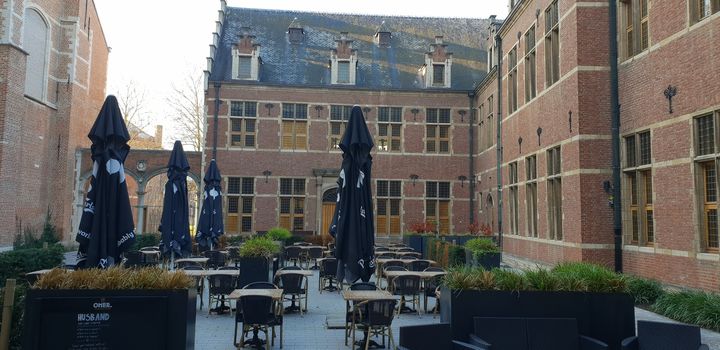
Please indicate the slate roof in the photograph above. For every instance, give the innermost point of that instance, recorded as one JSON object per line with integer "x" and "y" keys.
{"x": 386, "y": 68}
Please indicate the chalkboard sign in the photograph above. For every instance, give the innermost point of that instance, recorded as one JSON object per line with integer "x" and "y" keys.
{"x": 107, "y": 322}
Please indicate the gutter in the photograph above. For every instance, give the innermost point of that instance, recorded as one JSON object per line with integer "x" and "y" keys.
{"x": 471, "y": 154}
{"x": 215, "y": 120}
{"x": 615, "y": 133}
{"x": 498, "y": 145}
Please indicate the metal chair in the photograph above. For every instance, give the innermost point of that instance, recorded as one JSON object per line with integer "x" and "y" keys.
{"x": 415, "y": 254}
{"x": 391, "y": 268}
{"x": 328, "y": 270}
{"x": 261, "y": 314}
{"x": 314, "y": 253}
{"x": 377, "y": 320}
{"x": 294, "y": 285}
{"x": 133, "y": 258}
{"x": 431, "y": 286}
{"x": 404, "y": 286}
{"x": 199, "y": 280}
{"x": 405, "y": 249}
{"x": 386, "y": 255}
{"x": 216, "y": 259}
{"x": 293, "y": 253}
{"x": 408, "y": 257}
{"x": 219, "y": 286}
{"x": 239, "y": 314}
{"x": 418, "y": 265}
{"x": 184, "y": 264}
{"x": 349, "y": 312}
{"x": 663, "y": 335}
{"x": 234, "y": 255}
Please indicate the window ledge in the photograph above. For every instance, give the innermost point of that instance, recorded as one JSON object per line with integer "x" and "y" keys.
{"x": 44, "y": 103}
{"x": 708, "y": 256}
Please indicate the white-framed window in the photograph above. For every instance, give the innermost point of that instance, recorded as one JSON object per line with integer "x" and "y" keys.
{"x": 35, "y": 42}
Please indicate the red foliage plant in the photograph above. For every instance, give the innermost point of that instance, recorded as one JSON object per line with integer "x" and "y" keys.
{"x": 421, "y": 227}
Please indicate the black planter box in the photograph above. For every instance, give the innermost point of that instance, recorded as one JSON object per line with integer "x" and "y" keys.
{"x": 488, "y": 261}
{"x": 609, "y": 317}
{"x": 109, "y": 319}
{"x": 255, "y": 269}
{"x": 416, "y": 242}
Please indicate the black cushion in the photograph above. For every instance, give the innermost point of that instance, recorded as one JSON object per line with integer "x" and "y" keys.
{"x": 503, "y": 333}
{"x": 552, "y": 333}
{"x": 426, "y": 336}
{"x": 667, "y": 336}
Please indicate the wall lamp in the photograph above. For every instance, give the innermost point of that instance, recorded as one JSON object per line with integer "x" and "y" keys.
{"x": 414, "y": 178}
{"x": 462, "y": 179}
{"x": 267, "y": 174}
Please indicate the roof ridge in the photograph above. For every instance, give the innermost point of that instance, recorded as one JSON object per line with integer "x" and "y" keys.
{"x": 352, "y": 14}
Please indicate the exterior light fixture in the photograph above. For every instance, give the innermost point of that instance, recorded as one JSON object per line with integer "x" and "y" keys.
{"x": 267, "y": 174}
{"x": 414, "y": 178}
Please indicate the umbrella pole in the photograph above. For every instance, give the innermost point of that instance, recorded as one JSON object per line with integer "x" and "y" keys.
{"x": 172, "y": 260}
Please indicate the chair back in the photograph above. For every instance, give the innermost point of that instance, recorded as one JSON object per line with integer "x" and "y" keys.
{"x": 395, "y": 268}
{"x": 408, "y": 257}
{"x": 260, "y": 285}
{"x": 382, "y": 249}
{"x": 149, "y": 249}
{"x": 184, "y": 264}
{"x": 363, "y": 286}
{"x": 415, "y": 254}
{"x": 216, "y": 258}
{"x": 386, "y": 255}
{"x": 393, "y": 263}
{"x": 229, "y": 268}
{"x": 234, "y": 253}
{"x": 380, "y": 312}
{"x": 501, "y": 332}
{"x": 405, "y": 249}
{"x": 192, "y": 267}
{"x": 315, "y": 252}
{"x": 291, "y": 268}
{"x": 293, "y": 252}
{"x": 134, "y": 258}
{"x": 328, "y": 267}
{"x": 151, "y": 259}
{"x": 256, "y": 309}
{"x": 662, "y": 335}
{"x": 406, "y": 285}
{"x": 291, "y": 283}
{"x": 434, "y": 269}
{"x": 553, "y": 333}
{"x": 419, "y": 265}
{"x": 222, "y": 284}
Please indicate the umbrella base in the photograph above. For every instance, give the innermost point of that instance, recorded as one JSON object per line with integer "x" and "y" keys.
{"x": 292, "y": 308}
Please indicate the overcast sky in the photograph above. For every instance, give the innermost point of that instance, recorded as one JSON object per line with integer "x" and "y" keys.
{"x": 155, "y": 43}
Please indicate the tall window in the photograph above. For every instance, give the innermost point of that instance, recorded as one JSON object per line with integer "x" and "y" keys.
{"x": 389, "y": 129}
{"x": 512, "y": 80}
{"x": 437, "y": 130}
{"x": 706, "y": 162}
{"x": 388, "y": 198}
{"x": 513, "y": 198}
{"x": 294, "y": 126}
{"x": 701, "y": 9}
{"x": 245, "y": 67}
{"x": 638, "y": 178}
{"x": 35, "y": 40}
{"x": 439, "y": 74}
{"x": 482, "y": 135}
{"x": 243, "y": 123}
{"x": 343, "y": 72}
{"x": 437, "y": 205}
{"x": 491, "y": 127}
{"x": 339, "y": 115}
{"x": 552, "y": 44}
{"x": 530, "y": 86}
{"x": 636, "y": 26}
{"x": 240, "y": 194}
{"x": 554, "y": 193}
{"x": 292, "y": 204}
{"x": 531, "y": 194}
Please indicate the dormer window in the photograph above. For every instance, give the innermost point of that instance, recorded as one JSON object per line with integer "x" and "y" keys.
{"x": 438, "y": 74}
{"x": 383, "y": 36}
{"x": 296, "y": 34}
{"x": 246, "y": 57}
{"x": 343, "y": 60}
{"x": 439, "y": 62}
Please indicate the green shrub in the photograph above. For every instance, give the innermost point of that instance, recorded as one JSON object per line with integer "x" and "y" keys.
{"x": 30, "y": 239}
{"x": 597, "y": 278}
{"x": 699, "y": 308}
{"x": 293, "y": 239}
{"x": 644, "y": 291}
{"x": 480, "y": 246}
{"x": 278, "y": 234}
{"x": 17, "y": 314}
{"x": 509, "y": 280}
{"x": 463, "y": 277}
{"x": 456, "y": 255}
{"x": 258, "y": 247}
{"x": 16, "y": 263}
{"x": 542, "y": 280}
{"x": 146, "y": 240}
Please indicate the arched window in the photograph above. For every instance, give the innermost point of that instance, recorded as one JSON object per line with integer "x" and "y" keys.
{"x": 35, "y": 42}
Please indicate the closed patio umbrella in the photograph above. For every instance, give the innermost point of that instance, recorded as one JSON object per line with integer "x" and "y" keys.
{"x": 106, "y": 227}
{"x": 353, "y": 223}
{"x": 210, "y": 225}
{"x": 174, "y": 223}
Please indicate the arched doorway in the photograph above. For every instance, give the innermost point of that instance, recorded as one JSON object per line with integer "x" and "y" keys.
{"x": 328, "y": 209}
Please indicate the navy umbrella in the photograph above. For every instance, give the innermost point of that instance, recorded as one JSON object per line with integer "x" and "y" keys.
{"x": 210, "y": 225}
{"x": 106, "y": 227}
{"x": 353, "y": 222}
{"x": 174, "y": 224}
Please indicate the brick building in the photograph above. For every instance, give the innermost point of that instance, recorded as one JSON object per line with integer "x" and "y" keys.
{"x": 286, "y": 81}
{"x": 551, "y": 113}
{"x": 53, "y": 64}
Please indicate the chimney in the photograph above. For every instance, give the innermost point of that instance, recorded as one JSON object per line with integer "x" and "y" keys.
{"x": 158, "y": 134}
{"x": 438, "y": 39}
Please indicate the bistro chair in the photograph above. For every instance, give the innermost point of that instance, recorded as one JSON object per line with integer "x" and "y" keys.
{"x": 431, "y": 286}
{"x": 408, "y": 257}
{"x": 184, "y": 264}
{"x": 199, "y": 280}
{"x": 404, "y": 286}
{"x": 331, "y": 246}
{"x": 149, "y": 249}
{"x": 133, "y": 258}
{"x": 313, "y": 254}
{"x": 405, "y": 249}
{"x": 376, "y": 320}
{"x": 216, "y": 259}
{"x": 418, "y": 265}
{"x": 391, "y": 268}
{"x": 663, "y": 335}
{"x": 294, "y": 286}
{"x": 349, "y": 313}
{"x": 234, "y": 255}
{"x": 239, "y": 314}
{"x": 385, "y": 255}
{"x": 398, "y": 263}
{"x": 293, "y": 253}
{"x": 219, "y": 286}
{"x": 415, "y": 254}
{"x": 261, "y": 314}
{"x": 328, "y": 271}
{"x": 151, "y": 259}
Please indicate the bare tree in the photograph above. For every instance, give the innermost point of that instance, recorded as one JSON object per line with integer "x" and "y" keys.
{"x": 188, "y": 109}
{"x": 132, "y": 105}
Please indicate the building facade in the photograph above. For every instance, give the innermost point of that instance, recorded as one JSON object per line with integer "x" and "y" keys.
{"x": 547, "y": 103}
{"x": 53, "y": 64}
{"x": 285, "y": 83}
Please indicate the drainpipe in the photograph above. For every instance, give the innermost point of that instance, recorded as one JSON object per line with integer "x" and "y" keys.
{"x": 471, "y": 153}
{"x": 215, "y": 119}
{"x": 615, "y": 131}
{"x": 498, "y": 138}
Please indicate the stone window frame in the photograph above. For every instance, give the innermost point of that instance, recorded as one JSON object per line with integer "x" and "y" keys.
{"x": 638, "y": 177}
{"x": 390, "y": 118}
{"x": 512, "y": 85}
{"x": 552, "y": 44}
{"x": 291, "y": 125}
{"x": 530, "y": 64}
{"x": 47, "y": 48}
{"x": 437, "y": 200}
{"x": 706, "y": 160}
{"x": 339, "y": 116}
{"x": 436, "y": 124}
{"x": 635, "y": 27}
{"x": 388, "y": 199}
{"x": 241, "y": 196}
{"x": 296, "y": 196}
{"x": 531, "y": 198}
{"x": 513, "y": 197}
{"x": 554, "y": 193}
{"x": 242, "y": 124}
{"x": 697, "y": 12}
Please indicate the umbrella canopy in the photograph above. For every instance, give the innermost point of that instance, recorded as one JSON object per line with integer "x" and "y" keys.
{"x": 174, "y": 224}
{"x": 106, "y": 226}
{"x": 353, "y": 223}
{"x": 210, "y": 225}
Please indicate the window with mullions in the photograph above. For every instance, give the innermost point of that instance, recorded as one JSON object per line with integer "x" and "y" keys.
{"x": 513, "y": 175}
{"x": 706, "y": 163}
{"x": 638, "y": 182}
{"x": 245, "y": 67}
{"x": 292, "y": 204}
{"x": 530, "y": 85}
{"x": 294, "y": 126}
{"x": 389, "y": 129}
{"x": 240, "y": 195}
{"x": 552, "y": 44}
{"x": 512, "y": 80}
{"x": 490, "y": 123}
{"x": 343, "y": 72}
{"x": 339, "y": 115}
{"x": 437, "y": 137}
{"x": 636, "y": 38}
{"x": 554, "y": 193}
{"x": 438, "y": 74}
{"x": 701, "y": 9}
{"x": 242, "y": 123}
{"x": 437, "y": 205}
{"x": 389, "y": 194}
{"x": 531, "y": 194}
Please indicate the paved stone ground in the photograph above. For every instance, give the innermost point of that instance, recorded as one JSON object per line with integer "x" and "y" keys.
{"x": 300, "y": 332}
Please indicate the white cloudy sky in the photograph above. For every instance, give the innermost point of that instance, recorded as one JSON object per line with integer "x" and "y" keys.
{"x": 155, "y": 43}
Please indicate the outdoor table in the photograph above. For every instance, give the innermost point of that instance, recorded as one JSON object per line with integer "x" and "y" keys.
{"x": 205, "y": 273}
{"x": 195, "y": 260}
{"x": 359, "y": 296}
{"x": 274, "y": 293}
{"x": 306, "y": 274}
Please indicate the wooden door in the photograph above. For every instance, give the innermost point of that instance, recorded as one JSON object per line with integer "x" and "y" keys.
{"x": 328, "y": 210}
